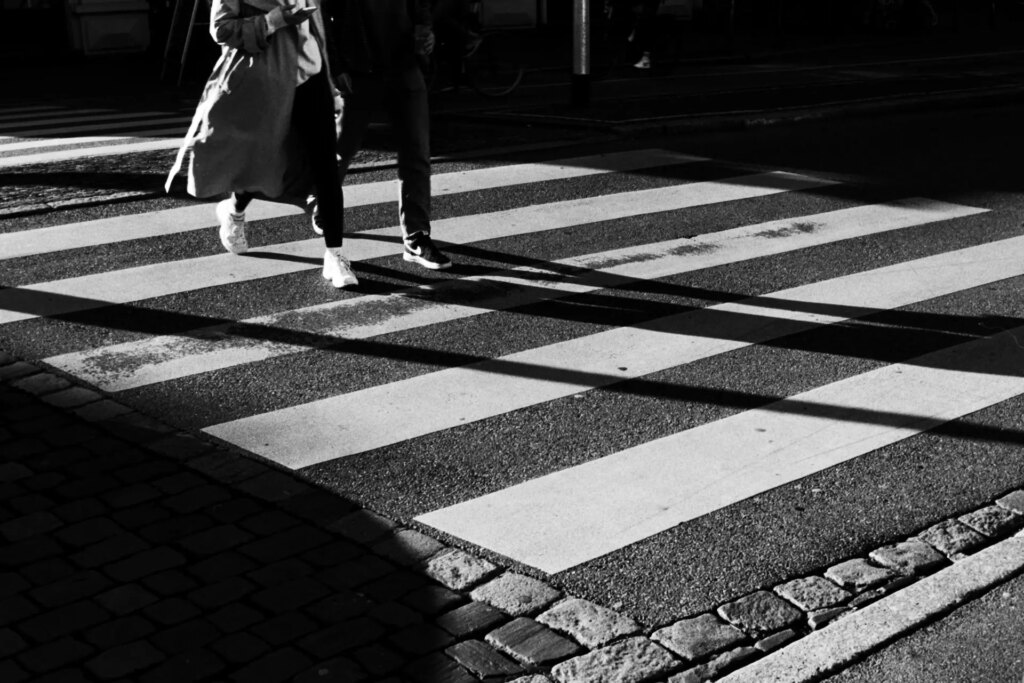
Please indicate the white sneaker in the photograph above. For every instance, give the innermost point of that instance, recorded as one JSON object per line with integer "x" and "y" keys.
{"x": 232, "y": 228}
{"x": 337, "y": 269}
{"x": 644, "y": 63}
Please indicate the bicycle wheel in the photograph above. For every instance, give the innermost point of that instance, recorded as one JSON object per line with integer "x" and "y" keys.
{"x": 491, "y": 72}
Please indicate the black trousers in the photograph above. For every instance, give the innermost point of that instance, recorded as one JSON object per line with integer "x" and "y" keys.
{"x": 313, "y": 122}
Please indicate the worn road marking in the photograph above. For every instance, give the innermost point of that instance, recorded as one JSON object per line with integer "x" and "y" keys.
{"x": 158, "y": 359}
{"x": 299, "y": 436}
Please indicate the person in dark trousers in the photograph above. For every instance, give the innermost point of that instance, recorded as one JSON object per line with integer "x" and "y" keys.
{"x": 379, "y": 48}
{"x": 643, "y": 32}
{"x": 265, "y": 124}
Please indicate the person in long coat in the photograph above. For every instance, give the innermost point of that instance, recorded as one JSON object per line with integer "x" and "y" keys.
{"x": 265, "y": 125}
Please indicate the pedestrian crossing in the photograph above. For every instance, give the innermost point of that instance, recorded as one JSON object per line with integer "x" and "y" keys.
{"x": 47, "y": 134}
{"x": 574, "y": 509}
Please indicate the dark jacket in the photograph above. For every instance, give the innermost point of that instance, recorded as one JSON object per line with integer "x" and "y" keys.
{"x": 376, "y": 36}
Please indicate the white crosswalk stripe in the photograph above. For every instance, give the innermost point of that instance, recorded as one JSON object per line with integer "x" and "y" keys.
{"x": 32, "y": 135}
{"x": 582, "y": 511}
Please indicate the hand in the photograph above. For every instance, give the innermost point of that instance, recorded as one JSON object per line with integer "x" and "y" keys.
{"x": 424, "y": 40}
{"x": 344, "y": 83}
{"x": 294, "y": 15}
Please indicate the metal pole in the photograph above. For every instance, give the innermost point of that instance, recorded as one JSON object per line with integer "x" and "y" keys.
{"x": 581, "y": 45}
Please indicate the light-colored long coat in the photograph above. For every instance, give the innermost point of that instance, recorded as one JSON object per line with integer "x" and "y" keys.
{"x": 241, "y": 138}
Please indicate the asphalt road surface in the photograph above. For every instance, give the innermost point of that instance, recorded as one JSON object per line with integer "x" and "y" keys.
{"x": 661, "y": 374}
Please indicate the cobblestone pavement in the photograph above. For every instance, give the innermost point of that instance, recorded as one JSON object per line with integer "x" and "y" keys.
{"x": 137, "y": 553}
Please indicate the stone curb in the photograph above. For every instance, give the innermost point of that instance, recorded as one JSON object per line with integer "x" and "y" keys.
{"x": 565, "y": 637}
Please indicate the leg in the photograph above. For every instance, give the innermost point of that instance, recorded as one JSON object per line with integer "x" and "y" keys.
{"x": 410, "y": 121}
{"x": 313, "y": 117}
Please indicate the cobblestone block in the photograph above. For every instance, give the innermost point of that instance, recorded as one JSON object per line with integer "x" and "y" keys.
{"x": 101, "y": 411}
{"x": 813, "y": 592}
{"x": 332, "y": 641}
{"x": 1013, "y": 501}
{"x": 215, "y": 540}
{"x": 41, "y": 384}
{"x": 142, "y": 516}
{"x": 993, "y": 521}
{"x": 531, "y": 642}
{"x": 130, "y": 495}
{"x": 285, "y": 544}
{"x": 49, "y": 571}
{"x": 126, "y": 599}
{"x": 588, "y": 623}
{"x": 72, "y": 397}
{"x": 87, "y": 487}
{"x": 10, "y": 643}
{"x": 910, "y": 558}
{"x": 76, "y": 511}
{"x": 379, "y": 659}
{"x": 180, "y": 446}
{"x": 858, "y": 575}
{"x": 363, "y": 526}
{"x": 471, "y": 619}
{"x": 70, "y": 435}
{"x": 44, "y": 482}
{"x": 698, "y": 637}
{"x": 338, "y": 670}
{"x": 13, "y": 471}
{"x": 291, "y": 595}
{"x": 12, "y": 584}
{"x": 55, "y": 654}
{"x": 459, "y": 570}
{"x": 12, "y": 371}
{"x": 30, "y": 525}
{"x": 125, "y": 660}
{"x": 632, "y": 660}
{"x": 240, "y": 647}
{"x": 340, "y": 606}
{"x": 516, "y": 594}
{"x": 200, "y": 665}
{"x": 408, "y": 547}
{"x": 110, "y": 550}
{"x": 761, "y": 612}
{"x": 285, "y": 628}
{"x": 235, "y": 510}
{"x": 438, "y": 668}
{"x": 119, "y": 632}
{"x": 232, "y": 618}
{"x": 145, "y": 563}
{"x": 822, "y": 617}
{"x": 28, "y": 551}
{"x": 72, "y": 589}
{"x": 186, "y": 637}
{"x": 15, "y": 609}
{"x": 197, "y": 498}
{"x": 227, "y": 468}
{"x": 419, "y": 639}
{"x": 171, "y": 611}
{"x": 221, "y": 593}
{"x": 482, "y": 659}
{"x": 358, "y": 572}
{"x": 179, "y": 482}
{"x": 29, "y": 504}
{"x": 170, "y": 582}
{"x": 281, "y": 572}
{"x": 775, "y": 640}
{"x": 64, "y": 620}
{"x": 952, "y": 538}
{"x": 431, "y": 600}
{"x": 725, "y": 662}
{"x": 393, "y": 586}
{"x": 268, "y": 522}
{"x": 274, "y": 486}
{"x": 394, "y": 614}
{"x": 222, "y": 566}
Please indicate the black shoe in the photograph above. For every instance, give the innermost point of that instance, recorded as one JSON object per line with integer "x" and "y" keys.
{"x": 419, "y": 248}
